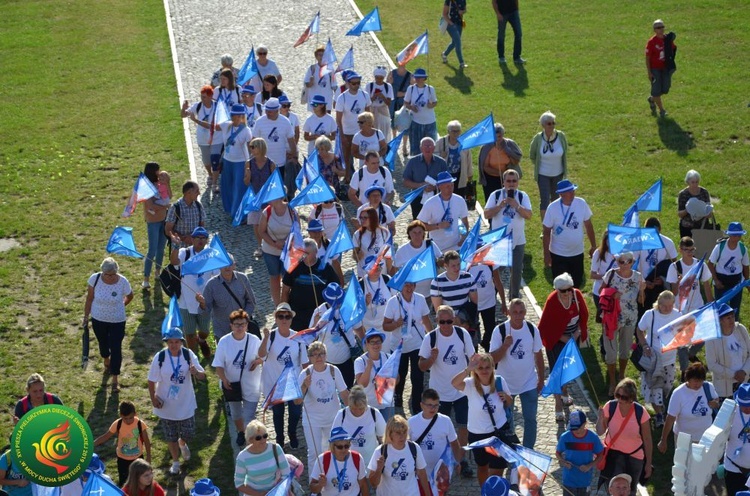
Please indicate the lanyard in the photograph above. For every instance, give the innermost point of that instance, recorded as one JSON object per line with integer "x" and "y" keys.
{"x": 211, "y": 111}
{"x": 446, "y": 209}
{"x": 566, "y": 220}
{"x": 175, "y": 368}
{"x": 746, "y": 426}
{"x": 340, "y": 473}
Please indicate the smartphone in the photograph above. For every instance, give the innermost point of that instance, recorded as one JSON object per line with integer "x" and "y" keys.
{"x": 511, "y": 193}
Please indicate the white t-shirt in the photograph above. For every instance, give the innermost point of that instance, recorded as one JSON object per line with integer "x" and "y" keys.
{"x": 318, "y": 125}
{"x": 344, "y": 474}
{"x": 337, "y": 351}
{"x": 690, "y": 407}
{"x": 229, "y": 97}
{"x": 436, "y": 210}
{"x": 351, "y": 106}
{"x": 659, "y": 320}
{"x": 359, "y": 367}
{"x": 648, "y": 259}
{"x": 384, "y": 89}
{"x": 321, "y": 86}
{"x": 276, "y": 133}
{"x": 322, "y": 399}
{"x": 731, "y": 261}
{"x": 440, "y": 435}
{"x": 697, "y": 298}
{"x": 241, "y": 136}
{"x": 368, "y": 144}
{"x": 387, "y": 211}
{"x": 370, "y": 244}
{"x": 174, "y": 385}
{"x": 451, "y": 359}
{"x": 406, "y": 252}
{"x": 479, "y": 419}
{"x": 330, "y": 218}
{"x": 419, "y": 97}
{"x": 263, "y": 71}
{"x": 370, "y": 179}
{"x": 380, "y": 293}
{"x": 518, "y": 366}
{"x": 567, "y": 225}
{"x": 109, "y": 304}
{"x": 413, "y": 331}
{"x": 364, "y": 430}
{"x": 193, "y": 284}
{"x": 399, "y": 474}
{"x": 601, "y": 266}
{"x": 282, "y": 353}
{"x": 203, "y": 135}
{"x": 508, "y": 216}
{"x": 229, "y": 353}
{"x": 550, "y": 163}
{"x": 486, "y": 293}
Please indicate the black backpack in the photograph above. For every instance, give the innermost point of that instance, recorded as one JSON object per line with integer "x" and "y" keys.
{"x": 361, "y": 174}
{"x": 170, "y": 278}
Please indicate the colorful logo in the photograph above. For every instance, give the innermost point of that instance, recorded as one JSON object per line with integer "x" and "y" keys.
{"x": 52, "y": 445}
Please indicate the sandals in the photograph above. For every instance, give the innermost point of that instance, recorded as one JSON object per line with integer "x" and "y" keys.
{"x": 567, "y": 400}
{"x": 115, "y": 387}
{"x": 560, "y": 417}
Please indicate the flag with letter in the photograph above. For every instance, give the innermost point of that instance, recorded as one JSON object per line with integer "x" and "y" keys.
{"x": 248, "y": 70}
{"x": 419, "y": 46}
{"x": 244, "y": 208}
{"x": 100, "y": 486}
{"x": 286, "y": 389}
{"x": 482, "y": 133}
{"x": 385, "y": 379}
{"x": 695, "y": 327}
{"x": 370, "y": 22}
{"x": 143, "y": 189}
{"x": 650, "y": 201}
{"x": 309, "y": 170}
{"x": 212, "y": 257}
{"x": 173, "y": 317}
{"x": 312, "y": 29}
{"x": 409, "y": 198}
{"x": 625, "y": 238}
{"x": 419, "y": 268}
{"x": 568, "y": 367}
{"x": 121, "y": 242}
{"x": 317, "y": 191}
{"x": 340, "y": 243}
{"x": 494, "y": 235}
{"x": 353, "y": 307}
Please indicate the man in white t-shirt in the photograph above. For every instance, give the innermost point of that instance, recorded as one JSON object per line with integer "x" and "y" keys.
{"x": 320, "y": 123}
{"x": 278, "y": 132}
{"x": 349, "y": 105}
{"x": 371, "y": 174}
{"x": 730, "y": 265}
{"x": 317, "y": 85}
{"x": 442, "y": 214}
{"x": 564, "y": 222}
{"x": 446, "y": 351}
{"x": 516, "y": 348}
{"x": 647, "y": 262}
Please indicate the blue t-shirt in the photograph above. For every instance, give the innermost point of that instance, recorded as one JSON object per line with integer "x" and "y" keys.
{"x": 578, "y": 451}
{"x": 13, "y": 475}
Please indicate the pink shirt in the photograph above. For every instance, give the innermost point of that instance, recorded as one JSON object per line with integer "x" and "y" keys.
{"x": 630, "y": 438}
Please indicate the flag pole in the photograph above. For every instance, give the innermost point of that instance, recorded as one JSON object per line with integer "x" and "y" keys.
{"x": 314, "y": 434}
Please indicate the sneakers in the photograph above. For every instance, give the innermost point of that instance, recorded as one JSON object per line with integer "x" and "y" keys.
{"x": 659, "y": 420}
{"x": 519, "y": 61}
{"x": 240, "y": 439}
{"x": 175, "y": 468}
{"x": 651, "y": 104}
{"x": 145, "y": 284}
{"x": 464, "y": 65}
{"x": 663, "y": 113}
{"x": 185, "y": 451}
{"x": 293, "y": 442}
{"x": 502, "y": 60}
{"x": 466, "y": 470}
{"x": 444, "y": 57}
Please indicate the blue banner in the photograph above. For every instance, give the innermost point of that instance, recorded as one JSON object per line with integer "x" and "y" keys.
{"x": 341, "y": 242}
{"x": 212, "y": 257}
{"x": 248, "y": 70}
{"x": 625, "y": 238}
{"x": 173, "y": 317}
{"x": 121, "y": 242}
{"x": 482, "y": 133}
{"x": 318, "y": 191}
{"x": 353, "y": 307}
{"x": 568, "y": 367}
{"x": 417, "y": 269}
{"x": 410, "y": 197}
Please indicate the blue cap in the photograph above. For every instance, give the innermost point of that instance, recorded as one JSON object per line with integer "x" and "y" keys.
{"x": 251, "y": 90}
{"x": 495, "y": 486}
{"x": 272, "y": 104}
{"x": 284, "y": 100}
{"x": 339, "y": 434}
{"x": 318, "y": 100}
{"x": 333, "y": 293}
{"x": 564, "y": 186}
{"x": 314, "y": 225}
{"x": 735, "y": 229}
{"x": 199, "y": 231}
{"x": 725, "y": 309}
{"x": 577, "y": 420}
{"x": 372, "y": 332}
{"x": 444, "y": 178}
{"x": 420, "y": 73}
{"x": 173, "y": 333}
{"x": 372, "y": 188}
{"x": 237, "y": 109}
{"x": 204, "y": 487}
{"x": 742, "y": 395}
{"x": 96, "y": 466}
{"x": 352, "y": 75}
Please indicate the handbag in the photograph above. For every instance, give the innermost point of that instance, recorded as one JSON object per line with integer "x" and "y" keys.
{"x": 603, "y": 460}
{"x": 706, "y": 237}
{"x": 470, "y": 195}
{"x": 252, "y": 326}
{"x": 640, "y": 361}
{"x": 402, "y": 119}
{"x": 505, "y": 433}
{"x": 443, "y": 25}
{"x": 170, "y": 280}
{"x": 235, "y": 394}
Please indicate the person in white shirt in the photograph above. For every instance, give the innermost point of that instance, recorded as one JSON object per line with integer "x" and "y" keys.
{"x": 367, "y": 366}
{"x": 203, "y": 114}
{"x": 237, "y": 137}
{"x": 266, "y": 67}
{"x": 728, "y": 357}
{"x": 416, "y": 245}
{"x": 253, "y": 109}
{"x": 653, "y": 264}
{"x": 443, "y": 213}
{"x": 368, "y": 138}
{"x": 370, "y": 174}
{"x": 370, "y": 239}
{"x": 349, "y": 105}
{"x": 736, "y": 457}
{"x": 563, "y": 231}
{"x": 317, "y": 85}
{"x": 421, "y": 100}
{"x": 286, "y": 106}
{"x": 320, "y": 123}
{"x": 339, "y": 471}
{"x": 398, "y": 465}
{"x": 374, "y": 195}
{"x": 516, "y": 347}
{"x": 278, "y": 132}
{"x": 511, "y": 207}
{"x": 729, "y": 264}
{"x": 364, "y": 423}
{"x": 433, "y": 431}
{"x": 381, "y": 94}
{"x": 374, "y": 285}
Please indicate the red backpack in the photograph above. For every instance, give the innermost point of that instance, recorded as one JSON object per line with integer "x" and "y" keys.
{"x": 356, "y": 458}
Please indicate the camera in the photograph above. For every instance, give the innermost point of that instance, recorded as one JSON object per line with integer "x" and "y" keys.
{"x": 511, "y": 193}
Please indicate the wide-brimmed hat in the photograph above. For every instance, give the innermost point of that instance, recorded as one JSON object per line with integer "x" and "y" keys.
{"x": 314, "y": 225}
{"x": 284, "y": 100}
{"x": 724, "y": 309}
{"x": 199, "y": 231}
{"x": 444, "y": 178}
{"x": 237, "y": 109}
{"x": 352, "y": 75}
{"x": 372, "y": 333}
{"x": 496, "y": 486}
{"x": 339, "y": 434}
{"x": 735, "y": 229}
{"x": 564, "y": 186}
{"x": 420, "y": 73}
{"x": 372, "y": 188}
{"x": 284, "y": 307}
{"x": 173, "y": 333}
{"x": 333, "y": 293}
{"x": 249, "y": 89}
{"x": 318, "y": 100}
{"x": 272, "y": 104}
{"x": 742, "y": 395}
{"x": 204, "y": 487}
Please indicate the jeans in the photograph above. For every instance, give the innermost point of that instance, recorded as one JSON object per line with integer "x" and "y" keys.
{"x": 455, "y": 30}
{"x": 295, "y": 412}
{"x": 410, "y": 359}
{"x": 529, "y": 407}
{"x": 516, "y": 271}
{"x": 419, "y": 131}
{"x": 157, "y": 240}
{"x": 514, "y": 19}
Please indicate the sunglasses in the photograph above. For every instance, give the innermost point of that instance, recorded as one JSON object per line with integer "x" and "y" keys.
{"x": 287, "y": 105}
{"x": 658, "y": 27}
{"x": 512, "y": 181}
{"x": 342, "y": 446}
{"x": 375, "y": 342}
{"x": 284, "y": 316}
{"x": 551, "y": 123}
{"x": 200, "y": 237}
{"x": 566, "y": 290}
{"x": 360, "y": 122}
{"x": 261, "y": 53}
{"x": 623, "y": 397}
{"x": 259, "y": 437}
{"x": 624, "y": 262}
{"x": 449, "y": 321}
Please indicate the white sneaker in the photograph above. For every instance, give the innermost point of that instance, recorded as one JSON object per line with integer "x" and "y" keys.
{"x": 175, "y": 468}
{"x": 145, "y": 285}
{"x": 185, "y": 451}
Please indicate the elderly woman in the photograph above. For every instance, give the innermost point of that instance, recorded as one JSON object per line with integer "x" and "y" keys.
{"x": 657, "y": 381}
{"x": 421, "y": 99}
{"x": 317, "y": 85}
{"x": 728, "y": 358}
{"x": 155, "y": 213}
{"x": 257, "y": 171}
{"x": 237, "y": 137}
{"x": 369, "y": 138}
{"x": 261, "y": 465}
{"x": 322, "y": 386}
{"x": 631, "y": 289}
{"x": 108, "y": 295}
{"x": 280, "y": 351}
{"x": 693, "y": 190}
{"x": 35, "y": 396}
{"x": 364, "y": 422}
{"x": 628, "y": 435}
{"x": 458, "y": 160}
{"x": 339, "y": 471}
{"x": 329, "y": 164}
{"x": 237, "y": 364}
{"x": 368, "y": 365}
{"x": 227, "y": 62}
{"x": 210, "y": 142}
{"x": 303, "y": 287}
{"x": 549, "y": 153}
{"x": 276, "y": 222}
{"x": 495, "y": 158}
{"x": 489, "y": 397}
{"x": 565, "y": 317}
{"x": 140, "y": 481}
{"x": 381, "y": 94}
{"x": 690, "y": 406}
{"x": 369, "y": 239}
{"x": 406, "y": 465}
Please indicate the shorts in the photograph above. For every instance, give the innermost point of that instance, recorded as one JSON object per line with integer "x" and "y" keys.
{"x": 481, "y": 457}
{"x": 244, "y": 410}
{"x": 273, "y": 264}
{"x": 211, "y": 155}
{"x": 178, "y": 429}
{"x": 661, "y": 81}
{"x": 193, "y": 321}
{"x": 461, "y": 409}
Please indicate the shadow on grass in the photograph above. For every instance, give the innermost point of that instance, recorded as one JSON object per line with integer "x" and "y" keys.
{"x": 518, "y": 83}
{"x": 147, "y": 338}
{"x": 460, "y": 81}
{"x": 674, "y": 137}
{"x": 529, "y": 272}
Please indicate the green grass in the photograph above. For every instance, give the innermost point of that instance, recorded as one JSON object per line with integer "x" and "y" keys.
{"x": 89, "y": 98}
{"x": 586, "y": 64}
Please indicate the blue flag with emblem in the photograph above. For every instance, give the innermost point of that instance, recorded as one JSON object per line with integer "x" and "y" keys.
{"x": 440, "y": 477}
{"x": 317, "y": 191}
{"x": 340, "y": 243}
{"x": 625, "y": 238}
{"x": 408, "y": 199}
{"x": 309, "y": 170}
{"x": 173, "y": 317}
{"x": 726, "y": 297}
{"x": 121, "y": 242}
{"x": 212, "y": 257}
{"x": 272, "y": 189}
{"x": 249, "y": 69}
{"x": 370, "y": 22}
{"x": 390, "y": 156}
{"x": 568, "y": 367}
{"x": 499, "y": 253}
{"x": 353, "y": 307}
{"x": 650, "y": 201}
{"x": 470, "y": 243}
{"x": 419, "y": 268}
{"x": 482, "y": 133}
{"x": 244, "y": 208}
{"x": 100, "y": 486}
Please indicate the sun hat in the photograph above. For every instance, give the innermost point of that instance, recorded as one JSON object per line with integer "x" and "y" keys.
{"x": 284, "y": 100}
{"x": 272, "y": 104}
{"x": 372, "y": 333}
{"x": 565, "y": 186}
{"x": 173, "y": 333}
{"x": 495, "y": 486}
{"x": 444, "y": 178}
{"x": 318, "y": 100}
{"x": 199, "y": 231}
{"x": 420, "y": 73}
{"x": 352, "y": 75}
{"x": 314, "y": 225}
{"x": 742, "y": 395}
{"x": 237, "y": 109}
{"x": 374, "y": 187}
{"x": 735, "y": 229}
{"x": 577, "y": 420}
{"x": 339, "y": 434}
{"x": 380, "y": 71}
{"x": 332, "y": 293}
{"x": 284, "y": 307}
{"x": 251, "y": 90}
{"x": 204, "y": 487}
{"x": 620, "y": 476}
{"x": 725, "y": 309}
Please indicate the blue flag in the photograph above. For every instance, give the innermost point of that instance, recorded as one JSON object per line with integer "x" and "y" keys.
{"x": 494, "y": 235}
{"x": 293, "y": 251}
{"x": 340, "y": 243}
{"x": 347, "y": 62}
{"x": 212, "y": 257}
{"x": 650, "y": 201}
{"x": 624, "y": 238}
{"x": 309, "y": 170}
{"x": 121, "y": 243}
{"x": 286, "y": 388}
{"x": 370, "y": 22}
{"x": 353, "y": 307}
{"x": 99, "y": 486}
{"x": 385, "y": 378}
{"x": 417, "y": 269}
{"x": 38, "y": 490}
{"x": 173, "y": 317}
{"x": 272, "y": 189}
{"x": 481, "y": 134}
{"x": 631, "y": 218}
{"x": 568, "y": 367}
{"x": 338, "y": 150}
{"x": 470, "y": 244}
{"x": 283, "y": 487}
{"x": 390, "y": 156}
{"x": 496, "y": 447}
{"x": 726, "y": 297}
{"x": 248, "y": 70}
{"x": 499, "y": 253}
{"x": 410, "y": 197}
{"x": 318, "y": 191}
{"x": 689, "y": 286}
{"x": 244, "y": 208}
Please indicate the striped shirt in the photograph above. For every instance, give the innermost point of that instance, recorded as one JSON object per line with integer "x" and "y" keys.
{"x": 258, "y": 471}
{"x": 454, "y": 293}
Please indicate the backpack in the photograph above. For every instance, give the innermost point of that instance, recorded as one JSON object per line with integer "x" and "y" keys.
{"x": 361, "y": 174}
{"x": 356, "y": 459}
{"x": 140, "y": 430}
{"x": 529, "y": 326}
{"x": 163, "y": 355}
{"x": 308, "y": 371}
{"x": 638, "y": 410}
{"x": 508, "y": 409}
{"x": 26, "y": 405}
{"x": 170, "y": 277}
{"x": 457, "y": 330}
{"x": 201, "y": 213}
{"x": 723, "y": 244}
{"x": 412, "y": 447}
{"x": 343, "y": 415}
